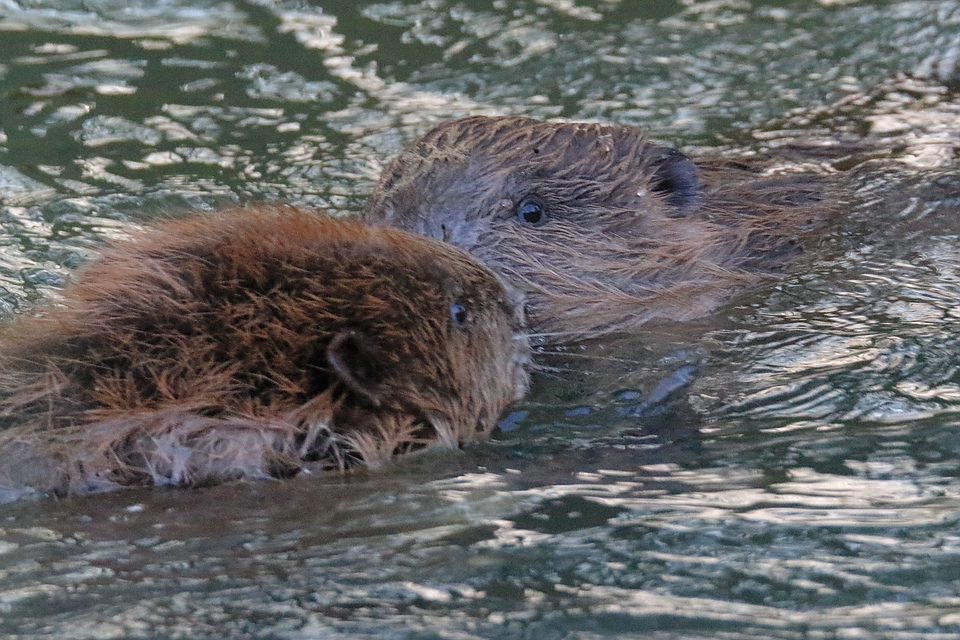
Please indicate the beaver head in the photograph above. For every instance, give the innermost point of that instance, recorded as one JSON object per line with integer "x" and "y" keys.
{"x": 257, "y": 340}
{"x": 601, "y": 228}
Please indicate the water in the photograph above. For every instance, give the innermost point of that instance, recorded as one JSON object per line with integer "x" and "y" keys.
{"x": 805, "y": 484}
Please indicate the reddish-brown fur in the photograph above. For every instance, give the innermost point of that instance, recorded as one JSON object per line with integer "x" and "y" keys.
{"x": 255, "y": 342}
{"x": 630, "y": 231}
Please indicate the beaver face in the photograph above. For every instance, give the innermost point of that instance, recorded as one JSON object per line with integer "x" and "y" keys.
{"x": 601, "y": 229}
{"x": 433, "y": 336}
{"x": 254, "y": 342}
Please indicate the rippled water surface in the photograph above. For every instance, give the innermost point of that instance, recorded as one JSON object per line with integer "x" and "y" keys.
{"x": 805, "y": 484}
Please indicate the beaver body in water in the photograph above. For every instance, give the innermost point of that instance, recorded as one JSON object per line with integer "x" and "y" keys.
{"x": 600, "y": 228}
{"x": 256, "y": 342}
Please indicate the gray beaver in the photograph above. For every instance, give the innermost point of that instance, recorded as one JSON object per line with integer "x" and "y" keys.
{"x": 600, "y": 228}
{"x": 256, "y": 342}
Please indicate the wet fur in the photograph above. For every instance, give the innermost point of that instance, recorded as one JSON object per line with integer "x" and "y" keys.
{"x": 250, "y": 343}
{"x": 634, "y": 231}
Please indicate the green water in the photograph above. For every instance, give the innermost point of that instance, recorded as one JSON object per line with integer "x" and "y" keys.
{"x": 805, "y": 485}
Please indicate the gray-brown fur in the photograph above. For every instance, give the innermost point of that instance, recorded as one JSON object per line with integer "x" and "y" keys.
{"x": 631, "y": 231}
{"x": 255, "y": 342}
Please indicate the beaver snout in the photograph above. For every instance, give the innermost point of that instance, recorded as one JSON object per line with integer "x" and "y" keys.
{"x": 450, "y": 227}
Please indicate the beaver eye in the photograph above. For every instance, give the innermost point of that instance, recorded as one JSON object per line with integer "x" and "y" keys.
{"x": 459, "y": 315}
{"x": 531, "y": 211}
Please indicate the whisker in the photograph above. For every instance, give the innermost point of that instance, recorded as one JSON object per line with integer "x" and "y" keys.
{"x": 553, "y": 334}
{"x": 588, "y": 356}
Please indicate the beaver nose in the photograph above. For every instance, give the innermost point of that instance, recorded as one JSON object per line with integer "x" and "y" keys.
{"x": 434, "y": 228}
{"x": 451, "y": 229}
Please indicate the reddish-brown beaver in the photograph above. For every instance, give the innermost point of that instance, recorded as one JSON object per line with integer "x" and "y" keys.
{"x": 256, "y": 342}
{"x": 600, "y": 228}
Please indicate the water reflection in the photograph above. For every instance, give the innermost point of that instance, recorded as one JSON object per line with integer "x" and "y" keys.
{"x": 655, "y": 548}
{"x": 879, "y": 344}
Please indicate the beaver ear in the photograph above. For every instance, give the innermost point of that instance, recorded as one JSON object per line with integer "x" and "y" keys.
{"x": 356, "y": 361}
{"x": 678, "y": 178}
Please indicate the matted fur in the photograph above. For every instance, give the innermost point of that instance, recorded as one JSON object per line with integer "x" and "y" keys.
{"x": 199, "y": 351}
{"x": 620, "y": 244}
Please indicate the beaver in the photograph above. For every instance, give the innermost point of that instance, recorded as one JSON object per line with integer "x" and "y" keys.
{"x": 602, "y": 229}
{"x": 256, "y": 342}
